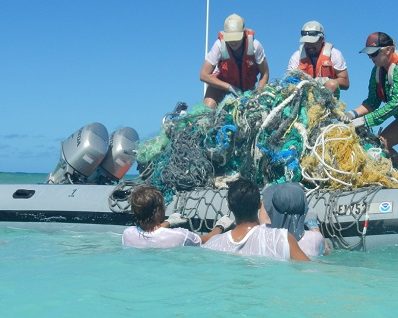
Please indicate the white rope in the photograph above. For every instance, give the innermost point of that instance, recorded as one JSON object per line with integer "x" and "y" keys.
{"x": 278, "y": 108}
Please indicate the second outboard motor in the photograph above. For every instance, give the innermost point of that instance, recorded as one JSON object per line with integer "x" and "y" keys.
{"x": 120, "y": 157}
{"x": 81, "y": 154}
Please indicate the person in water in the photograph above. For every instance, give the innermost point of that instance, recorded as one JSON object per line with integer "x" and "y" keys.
{"x": 153, "y": 231}
{"x": 383, "y": 88}
{"x": 233, "y": 63}
{"x": 249, "y": 237}
{"x": 319, "y": 59}
{"x": 286, "y": 206}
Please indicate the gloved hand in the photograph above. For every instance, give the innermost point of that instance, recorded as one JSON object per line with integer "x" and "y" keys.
{"x": 348, "y": 116}
{"x": 359, "y": 122}
{"x": 233, "y": 90}
{"x": 176, "y": 219}
{"x": 224, "y": 222}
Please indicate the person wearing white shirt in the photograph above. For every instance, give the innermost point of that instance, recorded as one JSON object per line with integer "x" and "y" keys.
{"x": 249, "y": 238}
{"x": 233, "y": 63}
{"x": 153, "y": 231}
{"x": 320, "y": 59}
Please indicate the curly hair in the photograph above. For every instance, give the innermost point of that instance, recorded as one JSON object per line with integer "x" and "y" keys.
{"x": 146, "y": 204}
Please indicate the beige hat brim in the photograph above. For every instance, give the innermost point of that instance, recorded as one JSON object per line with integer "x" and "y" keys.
{"x": 310, "y": 39}
{"x": 232, "y": 36}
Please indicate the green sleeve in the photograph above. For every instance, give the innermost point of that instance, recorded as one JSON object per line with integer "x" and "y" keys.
{"x": 390, "y": 108}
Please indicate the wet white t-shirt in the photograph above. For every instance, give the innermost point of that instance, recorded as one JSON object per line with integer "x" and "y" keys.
{"x": 312, "y": 243}
{"x": 161, "y": 238}
{"x": 259, "y": 241}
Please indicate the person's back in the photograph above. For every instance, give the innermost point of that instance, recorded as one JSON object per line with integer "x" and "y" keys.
{"x": 162, "y": 237}
{"x": 287, "y": 207}
{"x": 153, "y": 231}
{"x": 259, "y": 241}
{"x": 249, "y": 237}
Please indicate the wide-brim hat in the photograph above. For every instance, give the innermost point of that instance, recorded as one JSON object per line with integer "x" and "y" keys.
{"x": 287, "y": 206}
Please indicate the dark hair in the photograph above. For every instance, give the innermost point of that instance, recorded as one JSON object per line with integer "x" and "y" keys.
{"x": 244, "y": 200}
{"x": 147, "y": 204}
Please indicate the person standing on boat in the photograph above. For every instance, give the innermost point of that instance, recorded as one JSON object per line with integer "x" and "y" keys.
{"x": 383, "y": 88}
{"x": 286, "y": 206}
{"x": 319, "y": 59}
{"x": 233, "y": 63}
{"x": 249, "y": 237}
{"x": 153, "y": 231}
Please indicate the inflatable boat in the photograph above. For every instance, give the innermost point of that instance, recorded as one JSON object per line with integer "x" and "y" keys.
{"x": 362, "y": 219}
{"x": 87, "y": 187}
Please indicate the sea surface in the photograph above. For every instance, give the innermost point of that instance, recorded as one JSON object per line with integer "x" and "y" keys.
{"x": 55, "y": 270}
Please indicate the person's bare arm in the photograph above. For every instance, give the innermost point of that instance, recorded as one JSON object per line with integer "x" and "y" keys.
{"x": 363, "y": 110}
{"x": 342, "y": 79}
{"x": 207, "y": 76}
{"x": 264, "y": 73}
{"x": 208, "y": 236}
{"x": 295, "y": 251}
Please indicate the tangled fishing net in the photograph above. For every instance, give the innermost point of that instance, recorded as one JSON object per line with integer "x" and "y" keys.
{"x": 288, "y": 131}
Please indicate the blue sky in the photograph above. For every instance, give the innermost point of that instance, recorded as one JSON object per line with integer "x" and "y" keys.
{"x": 68, "y": 63}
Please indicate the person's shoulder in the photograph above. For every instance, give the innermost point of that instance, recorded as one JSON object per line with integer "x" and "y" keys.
{"x": 217, "y": 238}
{"x": 336, "y": 52}
{"x": 313, "y": 235}
{"x": 296, "y": 54}
{"x": 130, "y": 229}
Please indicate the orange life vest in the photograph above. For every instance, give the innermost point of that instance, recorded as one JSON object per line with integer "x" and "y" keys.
{"x": 381, "y": 74}
{"x": 245, "y": 77}
{"x": 324, "y": 66}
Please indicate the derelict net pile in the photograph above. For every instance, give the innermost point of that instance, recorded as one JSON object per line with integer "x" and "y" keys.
{"x": 289, "y": 131}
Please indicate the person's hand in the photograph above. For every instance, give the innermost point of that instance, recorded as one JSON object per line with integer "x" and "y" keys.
{"x": 359, "y": 122}
{"x": 176, "y": 219}
{"x": 348, "y": 116}
{"x": 224, "y": 223}
{"x": 233, "y": 90}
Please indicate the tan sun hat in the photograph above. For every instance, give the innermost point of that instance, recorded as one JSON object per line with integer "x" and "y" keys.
{"x": 233, "y": 28}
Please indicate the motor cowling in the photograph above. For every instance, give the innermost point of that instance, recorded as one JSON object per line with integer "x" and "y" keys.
{"x": 121, "y": 155}
{"x": 81, "y": 154}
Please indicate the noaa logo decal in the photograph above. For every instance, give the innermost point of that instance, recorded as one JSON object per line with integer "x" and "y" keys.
{"x": 385, "y": 207}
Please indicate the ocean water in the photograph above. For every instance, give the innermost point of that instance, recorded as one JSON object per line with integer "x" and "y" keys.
{"x": 54, "y": 270}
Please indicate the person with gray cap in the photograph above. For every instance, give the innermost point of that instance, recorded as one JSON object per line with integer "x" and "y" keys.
{"x": 383, "y": 88}
{"x": 233, "y": 63}
{"x": 319, "y": 59}
{"x": 249, "y": 237}
{"x": 286, "y": 206}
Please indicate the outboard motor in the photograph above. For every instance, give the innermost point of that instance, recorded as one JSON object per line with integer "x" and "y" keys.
{"x": 81, "y": 154}
{"x": 120, "y": 157}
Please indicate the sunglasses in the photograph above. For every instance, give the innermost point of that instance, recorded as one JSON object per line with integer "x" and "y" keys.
{"x": 373, "y": 55}
{"x": 311, "y": 33}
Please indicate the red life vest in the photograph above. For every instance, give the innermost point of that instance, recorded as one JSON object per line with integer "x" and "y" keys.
{"x": 324, "y": 66}
{"x": 381, "y": 74}
{"x": 245, "y": 77}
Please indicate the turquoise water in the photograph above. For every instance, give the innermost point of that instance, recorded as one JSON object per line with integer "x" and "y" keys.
{"x": 60, "y": 271}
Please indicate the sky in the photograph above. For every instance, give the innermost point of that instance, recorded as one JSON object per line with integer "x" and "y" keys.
{"x": 125, "y": 63}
